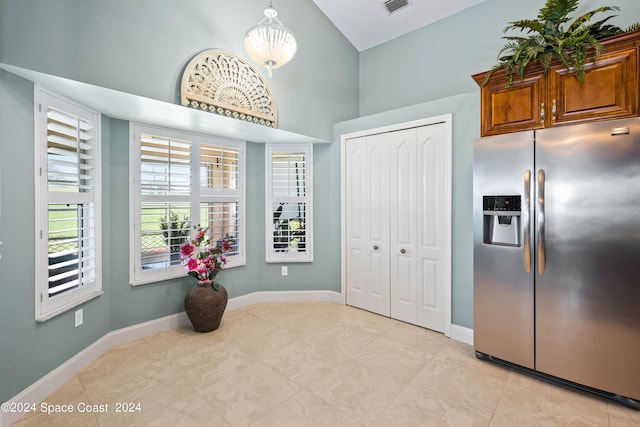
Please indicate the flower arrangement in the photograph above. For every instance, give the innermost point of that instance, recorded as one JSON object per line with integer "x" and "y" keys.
{"x": 203, "y": 261}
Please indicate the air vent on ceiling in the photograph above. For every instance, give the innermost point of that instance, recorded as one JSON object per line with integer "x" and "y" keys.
{"x": 394, "y": 5}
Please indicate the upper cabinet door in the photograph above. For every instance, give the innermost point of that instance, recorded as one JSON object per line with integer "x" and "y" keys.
{"x": 516, "y": 108}
{"x": 539, "y": 100}
{"x": 609, "y": 91}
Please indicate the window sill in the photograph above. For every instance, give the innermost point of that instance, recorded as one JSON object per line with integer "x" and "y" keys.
{"x": 50, "y": 315}
{"x": 177, "y": 275}
{"x": 287, "y": 260}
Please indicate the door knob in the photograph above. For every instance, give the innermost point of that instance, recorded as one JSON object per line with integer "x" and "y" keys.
{"x": 403, "y": 251}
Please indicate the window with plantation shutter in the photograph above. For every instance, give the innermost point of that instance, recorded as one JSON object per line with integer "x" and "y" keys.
{"x": 67, "y": 165}
{"x": 289, "y": 211}
{"x": 165, "y": 200}
{"x": 165, "y": 166}
{"x": 219, "y": 167}
{"x": 182, "y": 180}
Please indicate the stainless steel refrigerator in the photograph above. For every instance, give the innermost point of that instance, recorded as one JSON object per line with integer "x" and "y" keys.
{"x": 557, "y": 254}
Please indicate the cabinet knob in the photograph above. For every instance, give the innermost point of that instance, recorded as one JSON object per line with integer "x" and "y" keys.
{"x": 403, "y": 251}
{"x": 375, "y": 247}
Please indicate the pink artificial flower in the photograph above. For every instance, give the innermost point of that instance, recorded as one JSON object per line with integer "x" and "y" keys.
{"x": 200, "y": 234}
{"x": 226, "y": 245}
{"x": 187, "y": 249}
{"x": 223, "y": 259}
{"x": 192, "y": 264}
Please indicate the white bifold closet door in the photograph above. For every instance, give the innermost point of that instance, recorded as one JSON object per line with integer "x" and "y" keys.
{"x": 368, "y": 223}
{"x": 395, "y": 184}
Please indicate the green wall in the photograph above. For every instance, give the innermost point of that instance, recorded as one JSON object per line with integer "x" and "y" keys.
{"x": 437, "y": 61}
{"x": 29, "y": 350}
{"x": 428, "y": 73}
{"x": 466, "y": 110}
{"x": 141, "y": 47}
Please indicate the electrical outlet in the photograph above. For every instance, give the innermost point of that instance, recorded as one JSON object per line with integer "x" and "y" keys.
{"x": 78, "y": 317}
{"x": 285, "y": 270}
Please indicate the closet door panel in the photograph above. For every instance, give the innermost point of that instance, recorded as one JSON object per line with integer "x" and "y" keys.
{"x": 404, "y": 296}
{"x": 397, "y": 250}
{"x": 429, "y": 274}
{"x": 376, "y": 218}
{"x": 356, "y": 230}
{"x": 431, "y": 225}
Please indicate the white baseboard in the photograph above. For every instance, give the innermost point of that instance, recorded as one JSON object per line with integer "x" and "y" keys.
{"x": 462, "y": 334}
{"x": 285, "y": 296}
{"x": 39, "y": 390}
{"x": 46, "y": 385}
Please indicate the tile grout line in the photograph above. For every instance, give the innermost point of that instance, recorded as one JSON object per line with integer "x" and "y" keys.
{"x": 495, "y": 409}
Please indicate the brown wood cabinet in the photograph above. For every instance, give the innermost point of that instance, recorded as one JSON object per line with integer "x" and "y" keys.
{"x": 536, "y": 101}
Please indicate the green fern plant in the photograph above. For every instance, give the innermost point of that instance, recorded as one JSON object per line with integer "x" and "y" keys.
{"x": 547, "y": 39}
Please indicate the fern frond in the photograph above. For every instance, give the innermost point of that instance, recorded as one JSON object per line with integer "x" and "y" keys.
{"x": 561, "y": 55}
{"x": 533, "y": 51}
{"x": 600, "y": 31}
{"x": 517, "y": 38}
{"x": 557, "y": 10}
{"x": 579, "y": 58}
{"x": 546, "y": 39}
{"x": 509, "y": 47}
{"x": 633, "y": 27}
{"x": 581, "y": 20}
{"x": 526, "y": 25}
{"x": 578, "y": 38}
{"x": 597, "y": 46}
{"x": 545, "y": 60}
{"x": 490, "y": 73}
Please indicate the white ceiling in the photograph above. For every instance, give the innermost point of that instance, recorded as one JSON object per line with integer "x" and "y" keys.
{"x": 367, "y": 23}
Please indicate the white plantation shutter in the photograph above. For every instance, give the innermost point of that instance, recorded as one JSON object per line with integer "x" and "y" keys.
{"x": 288, "y": 174}
{"x": 165, "y": 166}
{"x": 71, "y": 247}
{"x": 164, "y": 187}
{"x": 223, "y": 220}
{"x": 219, "y": 167}
{"x": 222, "y": 197}
{"x": 70, "y": 152}
{"x": 165, "y": 226}
{"x": 182, "y": 180}
{"x": 67, "y": 205}
{"x": 288, "y": 187}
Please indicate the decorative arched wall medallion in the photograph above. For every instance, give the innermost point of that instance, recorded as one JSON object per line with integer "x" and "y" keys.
{"x": 218, "y": 81}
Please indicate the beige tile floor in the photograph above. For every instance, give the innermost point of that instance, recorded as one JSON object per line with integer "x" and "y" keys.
{"x": 315, "y": 364}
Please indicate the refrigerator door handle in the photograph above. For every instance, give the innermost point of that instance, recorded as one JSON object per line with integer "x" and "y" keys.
{"x": 542, "y": 262}
{"x": 526, "y": 215}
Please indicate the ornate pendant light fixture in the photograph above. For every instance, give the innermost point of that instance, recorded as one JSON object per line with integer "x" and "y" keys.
{"x": 270, "y": 43}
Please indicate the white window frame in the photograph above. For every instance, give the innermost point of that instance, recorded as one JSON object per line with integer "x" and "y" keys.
{"x": 47, "y": 307}
{"x": 273, "y": 256}
{"x": 140, "y": 276}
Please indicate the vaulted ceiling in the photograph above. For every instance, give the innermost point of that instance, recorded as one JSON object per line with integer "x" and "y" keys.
{"x": 368, "y": 23}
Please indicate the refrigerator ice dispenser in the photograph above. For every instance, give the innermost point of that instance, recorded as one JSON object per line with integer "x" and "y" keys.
{"x": 501, "y": 220}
